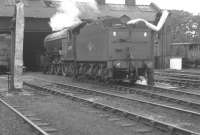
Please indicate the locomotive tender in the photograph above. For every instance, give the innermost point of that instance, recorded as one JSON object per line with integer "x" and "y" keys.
{"x": 107, "y": 49}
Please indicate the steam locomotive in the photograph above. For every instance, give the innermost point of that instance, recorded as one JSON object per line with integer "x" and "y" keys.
{"x": 107, "y": 50}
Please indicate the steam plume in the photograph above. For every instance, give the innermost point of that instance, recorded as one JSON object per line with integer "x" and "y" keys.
{"x": 70, "y": 12}
{"x": 160, "y": 24}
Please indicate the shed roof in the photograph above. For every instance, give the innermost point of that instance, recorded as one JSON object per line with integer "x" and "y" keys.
{"x": 38, "y": 9}
{"x": 32, "y": 8}
{"x": 140, "y": 11}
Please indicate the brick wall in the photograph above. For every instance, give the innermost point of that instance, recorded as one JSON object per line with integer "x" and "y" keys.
{"x": 130, "y": 2}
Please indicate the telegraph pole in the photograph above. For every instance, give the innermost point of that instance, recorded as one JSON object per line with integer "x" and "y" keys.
{"x": 17, "y": 38}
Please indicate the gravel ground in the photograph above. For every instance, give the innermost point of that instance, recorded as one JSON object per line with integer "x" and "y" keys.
{"x": 10, "y": 124}
{"x": 185, "y": 122}
{"x": 174, "y": 117}
{"x": 72, "y": 118}
{"x": 30, "y": 76}
{"x": 3, "y": 83}
{"x": 68, "y": 117}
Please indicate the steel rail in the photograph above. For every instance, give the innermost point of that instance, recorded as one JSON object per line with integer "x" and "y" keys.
{"x": 172, "y": 128}
{"x": 192, "y": 81}
{"x": 176, "y": 74}
{"x": 130, "y": 99}
{"x": 175, "y": 91}
{"x": 178, "y": 78}
{"x": 193, "y": 74}
{"x": 135, "y": 99}
{"x": 163, "y": 97}
{"x": 178, "y": 81}
{"x": 25, "y": 119}
{"x": 147, "y": 93}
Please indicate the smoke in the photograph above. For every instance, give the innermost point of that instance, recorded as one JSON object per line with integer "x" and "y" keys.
{"x": 70, "y": 12}
{"x": 160, "y": 24}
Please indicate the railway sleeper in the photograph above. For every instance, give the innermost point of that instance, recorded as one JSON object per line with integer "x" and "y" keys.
{"x": 164, "y": 128}
{"x": 176, "y": 131}
{"x": 180, "y": 132}
{"x": 160, "y": 97}
{"x": 147, "y": 122}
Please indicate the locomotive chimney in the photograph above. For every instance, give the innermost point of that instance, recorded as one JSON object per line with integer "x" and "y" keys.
{"x": 130, "y": 2}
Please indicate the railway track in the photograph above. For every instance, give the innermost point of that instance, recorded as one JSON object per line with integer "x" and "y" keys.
{"x": 182, "y": 72}
{"x": 168, "y": 117}
{"x": 186, "y": 98}
{"x": 34, "y": 97}
{"x": 27, "y": 118}
{"x": 184, "y": 79}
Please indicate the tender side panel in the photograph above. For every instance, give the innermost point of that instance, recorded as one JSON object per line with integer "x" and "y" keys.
{"x": 67, "y": 49}
{"x": 92, "y": 43}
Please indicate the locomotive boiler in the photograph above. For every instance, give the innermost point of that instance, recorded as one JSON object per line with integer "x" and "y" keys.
{"x": 107, "y": 50}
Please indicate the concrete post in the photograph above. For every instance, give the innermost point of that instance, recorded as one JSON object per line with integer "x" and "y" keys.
{"x": 17, "y": 47}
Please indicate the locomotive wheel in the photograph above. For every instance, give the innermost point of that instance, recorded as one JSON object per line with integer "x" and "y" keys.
{"x": 94, "y": 71}
{"x": 150, "y": 77}
{"x": 64, "y": 69}
{"x": 99, "y": 73}
{"x": 54, "y": 69}
{"x": 51, "y": 69}
{"x": 70, "y": 71}
{"x": 57, "y": 69}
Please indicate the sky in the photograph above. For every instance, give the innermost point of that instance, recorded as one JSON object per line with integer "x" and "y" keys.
{"x": 192, "y": 6}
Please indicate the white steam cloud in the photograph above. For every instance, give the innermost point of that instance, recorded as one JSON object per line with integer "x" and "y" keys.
{"x": 70, "y": 12}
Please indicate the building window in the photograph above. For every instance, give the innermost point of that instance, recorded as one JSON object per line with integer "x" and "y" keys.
{"x": 52, "y": 3}
{"x": 115, "y": 1}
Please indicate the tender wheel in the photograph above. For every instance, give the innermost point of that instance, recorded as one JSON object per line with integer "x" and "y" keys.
{"x": 150, "y": 77}
{"x": 64, "y": 69}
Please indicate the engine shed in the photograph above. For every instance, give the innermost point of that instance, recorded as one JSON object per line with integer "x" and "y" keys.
{"x": 188, "y": 51}
{"x": 36, "y": 28}
{"x": 39, "y": 12}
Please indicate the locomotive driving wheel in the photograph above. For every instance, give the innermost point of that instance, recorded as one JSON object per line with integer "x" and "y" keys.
{"x": 51, "y": 69}
{"x": 59, "y": 69}
{"x": 64, "y": 69}
{"x": 150, "y": 77}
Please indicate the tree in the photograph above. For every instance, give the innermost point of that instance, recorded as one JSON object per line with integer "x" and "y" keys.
{"x": 185, "y": 26}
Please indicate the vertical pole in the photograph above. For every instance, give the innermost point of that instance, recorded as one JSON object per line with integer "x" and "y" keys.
{"x": 74, "y": 53}
{"x": 17, "y": 34}
{"x": 152, "y": 48}
{"x": 12, "y": 55}
{"x": 19, "y": 39}
{"x": 162, "y": 49}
